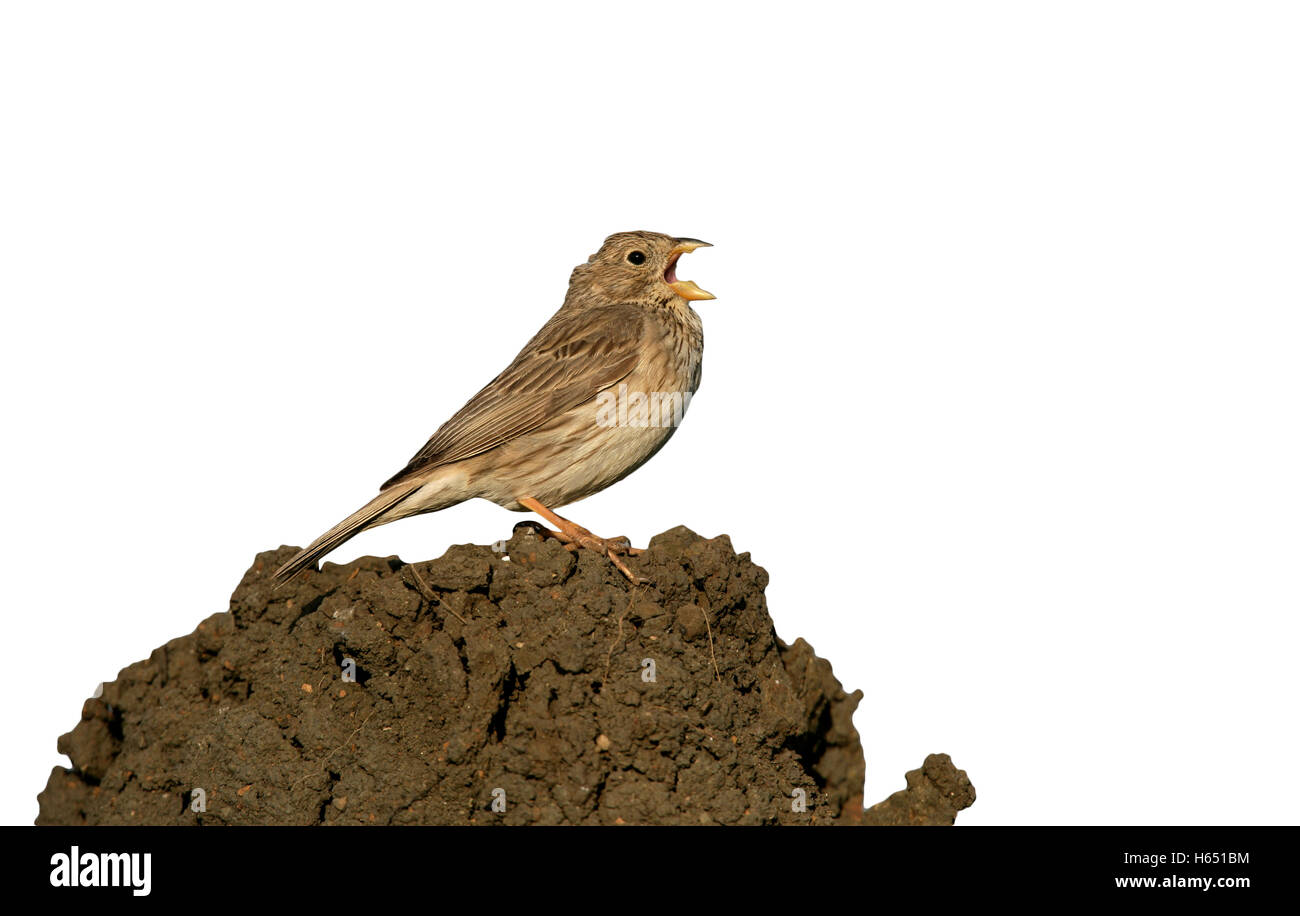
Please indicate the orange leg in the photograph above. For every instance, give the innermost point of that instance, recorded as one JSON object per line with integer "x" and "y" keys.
{"x": 575, "y": 536}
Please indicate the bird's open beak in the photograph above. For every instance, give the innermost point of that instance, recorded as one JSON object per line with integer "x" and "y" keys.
{"x": 684, "y": 288}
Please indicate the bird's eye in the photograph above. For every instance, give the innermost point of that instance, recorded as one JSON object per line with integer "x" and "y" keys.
{"x": 636, "y": 257}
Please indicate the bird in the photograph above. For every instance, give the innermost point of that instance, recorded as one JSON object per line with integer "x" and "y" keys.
{"x": 589, "y": 399}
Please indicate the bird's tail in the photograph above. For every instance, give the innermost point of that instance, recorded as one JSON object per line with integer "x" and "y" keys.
{"x": 369, "y": 515}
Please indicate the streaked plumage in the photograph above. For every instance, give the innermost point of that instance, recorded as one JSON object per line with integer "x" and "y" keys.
{"x": 532, "y": 434}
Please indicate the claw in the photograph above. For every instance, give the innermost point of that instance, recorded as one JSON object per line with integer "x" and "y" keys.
{"x": 576, "y": 537}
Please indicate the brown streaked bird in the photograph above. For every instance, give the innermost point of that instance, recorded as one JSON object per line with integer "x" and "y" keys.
{"x": 534, "y": 438}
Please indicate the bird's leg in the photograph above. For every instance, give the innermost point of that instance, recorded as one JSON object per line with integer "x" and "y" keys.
{"x": 574, "y": 534}
{"x": 543, "y": 532}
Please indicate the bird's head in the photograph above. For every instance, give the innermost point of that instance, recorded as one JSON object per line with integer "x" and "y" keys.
{"x": 635, "y": 267}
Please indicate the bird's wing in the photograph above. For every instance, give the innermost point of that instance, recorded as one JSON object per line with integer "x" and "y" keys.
{"x": 576, "y": 355}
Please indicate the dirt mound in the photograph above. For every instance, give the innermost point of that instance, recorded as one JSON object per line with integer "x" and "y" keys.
{"x": 530, "y": 687}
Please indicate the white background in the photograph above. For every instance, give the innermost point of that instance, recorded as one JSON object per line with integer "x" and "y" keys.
{"x": 1000, "y": 384}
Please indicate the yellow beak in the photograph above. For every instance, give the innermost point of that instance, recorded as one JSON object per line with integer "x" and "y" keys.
{"x": 687, "y": 289}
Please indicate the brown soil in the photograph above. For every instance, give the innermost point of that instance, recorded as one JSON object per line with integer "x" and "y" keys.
{"x": 478, "y": 679}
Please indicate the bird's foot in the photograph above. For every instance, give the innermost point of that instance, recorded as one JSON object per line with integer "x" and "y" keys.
{"x": 621, "y": 545}
{"x": 579, "y": 538}
{"x": 576, "y": 537}
{"x": 612, "y": 549}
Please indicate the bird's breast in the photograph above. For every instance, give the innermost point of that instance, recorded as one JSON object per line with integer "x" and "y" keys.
{"x": 674, "y": 357}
